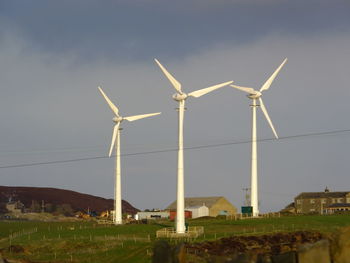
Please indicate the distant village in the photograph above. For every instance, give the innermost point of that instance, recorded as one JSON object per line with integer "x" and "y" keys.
{"x": 325, "y": 202}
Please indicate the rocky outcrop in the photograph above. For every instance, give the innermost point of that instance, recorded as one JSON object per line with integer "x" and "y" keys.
{"x": 297, "y": 247}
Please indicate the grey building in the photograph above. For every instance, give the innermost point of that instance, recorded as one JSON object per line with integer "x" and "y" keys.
{"x": 319, "y": 202}
{"x": 152, "y": 215}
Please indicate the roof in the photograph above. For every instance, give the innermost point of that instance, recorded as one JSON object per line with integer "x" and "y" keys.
{"x": 14, "y": 203}
{"x": 289, "y": 208}
{"x": 339, "y": 205}
{"x": 198, "y": 201}
{"x": 308, "y": 195}
{"x": 152, "y": 212}
{"x": 195, "y": 207}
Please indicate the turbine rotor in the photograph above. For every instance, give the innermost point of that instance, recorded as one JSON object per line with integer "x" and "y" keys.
{"x": 255, "y": 95}
{"x": 117, "y": 119}
{"x": 180, "y": 97}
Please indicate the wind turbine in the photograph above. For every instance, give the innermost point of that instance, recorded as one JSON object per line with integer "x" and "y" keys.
{"x": 254, "y": 95}
{"x": 180, "y": 96}
{"x": 117, "y": 217}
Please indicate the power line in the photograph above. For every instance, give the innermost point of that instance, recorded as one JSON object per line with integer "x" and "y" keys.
{"x": 175, "y": 149}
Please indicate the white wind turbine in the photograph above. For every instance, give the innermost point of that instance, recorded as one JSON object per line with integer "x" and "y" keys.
{"x": 180, "y": 96}
{"x": 117, "y": 217}
{"x": 254, "y": 95}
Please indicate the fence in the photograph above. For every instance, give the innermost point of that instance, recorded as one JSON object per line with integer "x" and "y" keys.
{"x": 169, "y": 232}
{"x": 249, "y": 216}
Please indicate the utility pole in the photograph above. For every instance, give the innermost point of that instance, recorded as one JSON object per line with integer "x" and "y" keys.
{"x": 246, "y": 196}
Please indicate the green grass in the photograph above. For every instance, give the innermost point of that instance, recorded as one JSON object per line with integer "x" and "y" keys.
{"x": 89, "y": 242}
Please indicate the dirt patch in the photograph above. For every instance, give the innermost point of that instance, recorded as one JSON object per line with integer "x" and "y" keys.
{"x": 265, "y": 244}
{"x": 15, "y": 249}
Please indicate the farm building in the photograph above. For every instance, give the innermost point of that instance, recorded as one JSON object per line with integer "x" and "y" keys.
{"x": 198, "y": 211}
{"x": 290, "y": 208}
{"x": 217, "y": 205}
{"x": 152, "y": 215}
{"x": 188, "y": 214}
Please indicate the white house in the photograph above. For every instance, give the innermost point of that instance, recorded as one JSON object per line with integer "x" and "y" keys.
{"x": 198, "y": 211}
{"x": 152, "y": 215}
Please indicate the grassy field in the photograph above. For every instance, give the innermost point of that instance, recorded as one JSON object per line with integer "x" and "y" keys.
{"x": 89, "y": 242}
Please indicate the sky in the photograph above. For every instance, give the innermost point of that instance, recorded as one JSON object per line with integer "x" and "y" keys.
{"x": 54, "y": 54}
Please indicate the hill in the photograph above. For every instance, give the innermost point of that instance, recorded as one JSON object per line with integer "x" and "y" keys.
{"x": 56, "y": 197}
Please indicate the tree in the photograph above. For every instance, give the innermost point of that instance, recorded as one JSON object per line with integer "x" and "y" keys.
{"x": 35, "y": 207}
{"x": 64, "y": 209}
{"x": 3, "y": 209}
{"x": 49, "y": 208}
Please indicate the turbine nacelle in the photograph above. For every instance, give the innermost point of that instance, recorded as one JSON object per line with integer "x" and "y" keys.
{"x": 255, "y": 95}
{"x": 117, "y": 119}
{"x": 180, "y": 97}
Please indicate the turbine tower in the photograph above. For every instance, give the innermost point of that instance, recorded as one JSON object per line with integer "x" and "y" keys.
{"x": 117, "y": 217}
{"x": 254, "y": 95}
{"x": 180, "y": 97}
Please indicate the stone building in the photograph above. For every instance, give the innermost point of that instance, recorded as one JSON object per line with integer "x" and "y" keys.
{"x": 218, "y": 205}
{"x": 319, "y": 202}
{"x": 15, "y": 207}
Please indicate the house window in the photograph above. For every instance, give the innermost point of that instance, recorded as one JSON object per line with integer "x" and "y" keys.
{"x": 312, "y": 210}
{"x": 323, "y": 201}
{"x": 348, "y": 200}
{"x": 340, "y": 200}
{"x": 312, "y": 201}
{"x": 334, "y": 200}
{"x": 299, "y": 201}
{"x": 298, "y": 211}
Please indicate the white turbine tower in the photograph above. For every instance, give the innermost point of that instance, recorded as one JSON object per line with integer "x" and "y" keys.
{"x": 180, "y": 96}
{"x": 117, "y": 217}
{"x": 254, "y": 95}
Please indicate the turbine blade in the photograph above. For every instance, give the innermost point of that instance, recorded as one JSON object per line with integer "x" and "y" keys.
{"x": 173, "y": 81}
{"x": 114, "y": 136}
{"x": 245, "y": 89}
{"x": 137, "y": 117}
{"x": 202, "y": 92}
{"x": 268, "y": 82}
{"x": 262, "y": 106}
{"x": 110, "y": 103}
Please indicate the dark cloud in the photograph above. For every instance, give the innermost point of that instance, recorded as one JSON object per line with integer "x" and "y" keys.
{"x": 145, "y": 29}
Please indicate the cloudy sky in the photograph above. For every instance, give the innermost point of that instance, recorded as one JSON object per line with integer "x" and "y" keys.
{"x": 54, "y": 54}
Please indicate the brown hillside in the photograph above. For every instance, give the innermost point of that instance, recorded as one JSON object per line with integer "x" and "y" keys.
{"x": 78, "y": 201}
